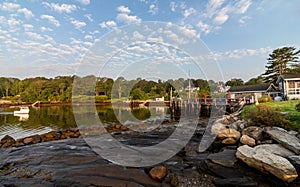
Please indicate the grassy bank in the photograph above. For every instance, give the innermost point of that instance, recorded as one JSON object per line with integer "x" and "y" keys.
{"x": 274, "y": 110}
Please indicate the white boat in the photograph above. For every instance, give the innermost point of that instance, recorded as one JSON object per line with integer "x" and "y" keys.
{"x": 23, "y": 110}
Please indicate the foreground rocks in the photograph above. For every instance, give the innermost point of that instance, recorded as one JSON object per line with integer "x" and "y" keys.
{"x": 253, "y": 157}
{"x": 271, "y": 150}
{"x": 283, "y": 137}
{"x": 8, "y": 141}
{"x": 266, "y": 161}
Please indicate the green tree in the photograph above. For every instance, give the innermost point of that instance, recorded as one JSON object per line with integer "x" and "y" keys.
{"x": 138, "y": 94}
{"x": 280, "y": 61}
{"x": 235, "y": 82}
{"x": 257, "y": 80}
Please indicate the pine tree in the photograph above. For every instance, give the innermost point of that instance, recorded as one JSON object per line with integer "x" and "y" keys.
{"x": 282, "y": 60}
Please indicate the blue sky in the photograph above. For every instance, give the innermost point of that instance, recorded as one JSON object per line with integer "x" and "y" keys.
{"x": 51, "y": 38}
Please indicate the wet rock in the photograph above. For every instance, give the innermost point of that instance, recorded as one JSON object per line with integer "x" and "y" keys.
{"x": 225, "y": 158}
{"x": 7, "y": 141}
{"x": 247, "y": 140}
{"x": 68, "y": 162}
{"x": 229, "y": 133}
{"x": 253, "y": 132}
{"x": 173, "y": 178}
{"x": 27, "y": 140}
{"x": 295, "y": 160}
{"x": 229, "y": 141}
{"x": 284, "y": 138}
{"x": 50, "y": 136}
{"x": 32, "y": 139}
{"x": 158, "y": 173}
{"x": 218, "y": 170}
{"x": 235, "y": 182}
{"x": 267, "y": 162}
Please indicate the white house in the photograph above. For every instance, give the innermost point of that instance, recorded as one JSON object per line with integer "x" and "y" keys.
{"x": 160, "y": 98}
{"x": 289, "y": 85}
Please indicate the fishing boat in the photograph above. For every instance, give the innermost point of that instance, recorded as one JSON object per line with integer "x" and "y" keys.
{"x": 23, "y": 110}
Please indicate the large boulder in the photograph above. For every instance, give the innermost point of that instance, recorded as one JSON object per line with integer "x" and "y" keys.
{"x": 287, "y": 140}
{"x": 266, "y": 161}
{"x": 276, "y": 149}
{"x": 253, "y": 132}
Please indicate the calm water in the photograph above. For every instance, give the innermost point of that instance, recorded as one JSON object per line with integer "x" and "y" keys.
{"x": 44, "y": 119}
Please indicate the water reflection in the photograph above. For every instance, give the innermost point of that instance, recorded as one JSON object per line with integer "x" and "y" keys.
{"x": 22, "y": 117}
{"x": 44, "y": 119}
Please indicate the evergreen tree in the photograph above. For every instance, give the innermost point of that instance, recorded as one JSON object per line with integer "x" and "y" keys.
{"x": 280, "y": 61}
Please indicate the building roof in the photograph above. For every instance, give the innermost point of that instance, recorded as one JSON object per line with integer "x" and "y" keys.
{"x": 288, "y": 76}
{"x": 291, "y": 75}
{"x": 252, "y": 88}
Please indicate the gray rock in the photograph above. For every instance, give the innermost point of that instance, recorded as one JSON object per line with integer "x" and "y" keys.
{"x": 295, "y": 160}
{"x": 225, "y": 158}
{"x": 284, "y": 138}
{"x": 266, "y": 161}
{"x": 253, "y": 132}
{"x": 276, "y": 149}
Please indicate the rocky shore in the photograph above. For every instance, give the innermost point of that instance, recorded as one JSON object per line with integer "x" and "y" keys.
{"x": 239, "y": 156}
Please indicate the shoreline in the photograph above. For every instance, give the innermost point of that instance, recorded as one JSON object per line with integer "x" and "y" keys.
{"x": 5, "y": 103}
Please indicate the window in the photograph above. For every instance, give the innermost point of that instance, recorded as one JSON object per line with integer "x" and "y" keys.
{"x": 291, "y": 84}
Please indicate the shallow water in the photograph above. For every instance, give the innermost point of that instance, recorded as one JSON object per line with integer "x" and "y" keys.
{"x": 44, "y": 119}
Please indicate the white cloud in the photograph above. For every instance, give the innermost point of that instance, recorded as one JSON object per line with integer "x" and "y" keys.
{"x": 84, "y": 2}
{"x": 28, "y": 27}
{"x": 205, "y": 28}
{"x": 242, "y": 6}
{"x": 240, "y": 53}
{"x": 173, "y": 6}
{"x": 189, "y": 32}
{"x": 182, "y": 5}
{"x": 12, "y": 22}
{"x": 78, "y": 24}
{"x": 94, "y": 32}
{"x": 89, "y": 17}
{"x": 212, "y": 7}
{"x": 108, "y": 24}
{"x": 11, "y": 7}
{"x": 137, "y": 35}
{"x": 67, "y": 8}
{"x": 123, "y": 9}
{"x": 243, "y": 20}
{"x": 43, "y": 29}
{"x": 27, "y": 13}
{"x": 188, "y": 12}
{"x": 122, "y": 17}
{"x": 89, "y": 37}
{"x": 34, "y": 36}
{"x": 51, "y": 19}
{"x": 153, "y": 9}
{"x": 222, "y": 16}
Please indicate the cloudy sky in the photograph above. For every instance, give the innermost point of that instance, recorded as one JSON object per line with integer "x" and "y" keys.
{"x": 51, "y": 38}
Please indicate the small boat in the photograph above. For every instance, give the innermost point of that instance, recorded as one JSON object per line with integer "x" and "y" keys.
{"x": 23, "y": 110}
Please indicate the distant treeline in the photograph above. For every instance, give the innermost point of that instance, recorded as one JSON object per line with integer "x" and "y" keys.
{"x": 59, "y": 89}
